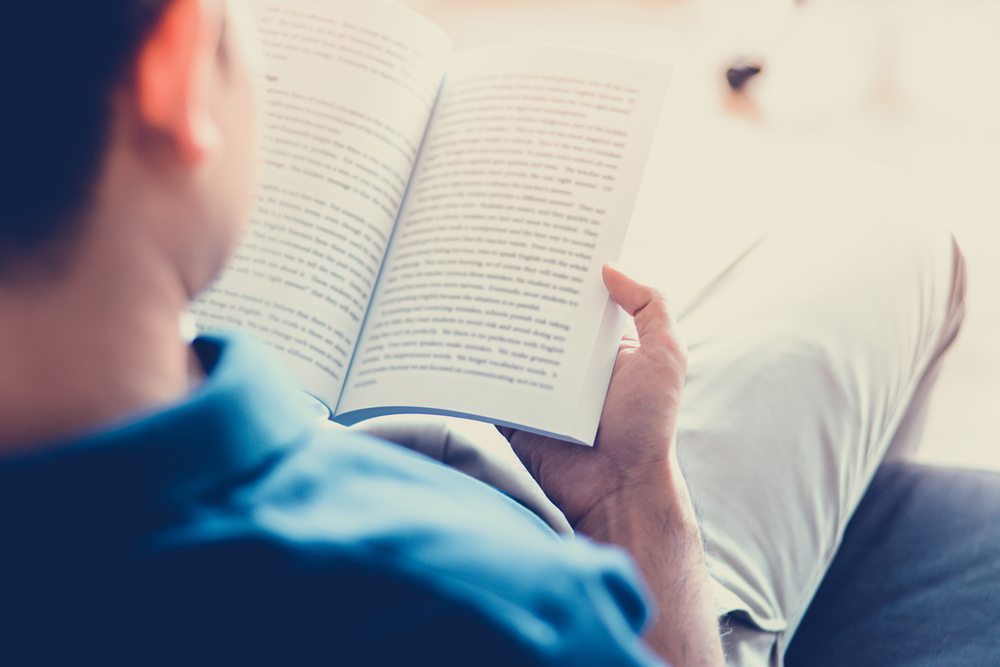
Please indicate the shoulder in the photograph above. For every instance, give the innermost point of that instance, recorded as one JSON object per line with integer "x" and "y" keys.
{"x": 229, "y": 529}
{"x": 395, "y": 553}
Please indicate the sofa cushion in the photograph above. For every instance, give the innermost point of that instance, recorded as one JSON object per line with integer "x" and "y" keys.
{"x": 917, "y": 579}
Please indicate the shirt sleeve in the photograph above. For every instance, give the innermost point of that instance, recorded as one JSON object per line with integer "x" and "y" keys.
{"x": 396, "y": 556}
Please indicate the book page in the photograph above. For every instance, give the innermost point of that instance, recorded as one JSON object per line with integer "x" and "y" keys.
{"x": 491, "y": 302}
{"x": 348, "y": 92}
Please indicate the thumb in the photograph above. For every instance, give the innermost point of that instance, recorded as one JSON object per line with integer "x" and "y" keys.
{"x": 644, "y": 303}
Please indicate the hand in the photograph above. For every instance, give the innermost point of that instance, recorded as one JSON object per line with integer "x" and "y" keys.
{"x": 628, "y": 489}
{"x": 634, "y": 452}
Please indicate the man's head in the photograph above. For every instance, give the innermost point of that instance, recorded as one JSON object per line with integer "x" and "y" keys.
{"x": 128, "y": 153}
{"x": 139, "y": 110}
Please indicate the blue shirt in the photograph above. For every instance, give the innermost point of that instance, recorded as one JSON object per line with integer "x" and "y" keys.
{"x": 230, "y": 529}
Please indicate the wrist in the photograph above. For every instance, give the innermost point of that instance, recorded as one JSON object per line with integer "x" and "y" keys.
{"x": 655, "y": 521}
{"x": 642, "y": 507}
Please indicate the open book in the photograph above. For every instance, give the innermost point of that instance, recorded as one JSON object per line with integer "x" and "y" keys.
{"x": 430, "y": 228}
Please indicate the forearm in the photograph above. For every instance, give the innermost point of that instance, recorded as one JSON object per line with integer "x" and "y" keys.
{"x": 655, "y": 521}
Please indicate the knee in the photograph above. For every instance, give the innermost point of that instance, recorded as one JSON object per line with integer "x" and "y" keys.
{"x": 932, "y": 256}
{"x": 904, "y": 265}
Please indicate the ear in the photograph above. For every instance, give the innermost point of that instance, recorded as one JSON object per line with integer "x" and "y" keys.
{"x": 172, "y": 75}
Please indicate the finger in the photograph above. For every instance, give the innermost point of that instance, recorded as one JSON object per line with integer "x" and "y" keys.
{"x": 630, "y": 337}
{"x": 523, "y": 453}
{"x": 533, "y": 450}
{"x": 518, "y": 446}
{"x": 506, "y": 431}
{"x": 644, "y": 303}
{"x": 630, "y": 334}
{"x": 627, "y": 345}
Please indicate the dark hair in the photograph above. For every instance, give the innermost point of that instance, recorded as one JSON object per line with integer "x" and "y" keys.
{"x": 62, "y": 59}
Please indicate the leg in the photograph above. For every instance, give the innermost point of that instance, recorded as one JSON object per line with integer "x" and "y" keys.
{"x": 804, "y": 363}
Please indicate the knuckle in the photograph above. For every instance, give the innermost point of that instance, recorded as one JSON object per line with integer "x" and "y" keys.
{"x": 656, "y": 297}
{"x": 661, "y": 305}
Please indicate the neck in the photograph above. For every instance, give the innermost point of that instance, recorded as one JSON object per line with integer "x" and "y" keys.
{"x": 91, "y": 347}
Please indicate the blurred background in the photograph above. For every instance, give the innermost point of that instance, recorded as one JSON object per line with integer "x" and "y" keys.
{"x": 863, "y": 109}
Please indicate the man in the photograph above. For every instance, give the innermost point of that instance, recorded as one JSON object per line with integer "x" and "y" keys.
{"x": 169, "y": 503}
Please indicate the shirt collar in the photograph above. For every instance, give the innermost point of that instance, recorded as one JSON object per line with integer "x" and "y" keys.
{"x": 241, "y": 420}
